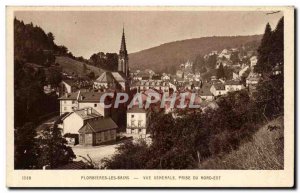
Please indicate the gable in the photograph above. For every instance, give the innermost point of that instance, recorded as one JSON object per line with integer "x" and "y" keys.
{"x": 86, "y": 129}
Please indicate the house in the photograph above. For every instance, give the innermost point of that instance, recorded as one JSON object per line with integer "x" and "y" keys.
{"x": 165, "y": 77}
{"x": 92, "y": 99}
{"x": 253, "y": 61}
{"x": 68, "y": 86}
{"x": 235, "y": 74}
{"x": 252, "y": 79}
{"x": 79, "y": 100}
{"x": 112, "y": 80}
{"x": 98, "y": 131}
{"x": 72, "y": 122}
{"x": 233, "y": 85}
{"x": 205, "y": 93}
{"x": 180, "y": 74}
{"x": 243, "y": 70}
{"x": 68, "y": 102}
{"x": 218, "y": 89}
{"x": 136, "y": 121}
{"x": 225, "y": 54}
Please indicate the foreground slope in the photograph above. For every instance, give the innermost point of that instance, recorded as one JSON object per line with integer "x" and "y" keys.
{"x": 264, "y": 152}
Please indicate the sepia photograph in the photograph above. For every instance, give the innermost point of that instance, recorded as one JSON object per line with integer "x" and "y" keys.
{"x": 152, "y": 90}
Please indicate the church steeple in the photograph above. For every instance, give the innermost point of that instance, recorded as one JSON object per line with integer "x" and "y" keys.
{"x": 123, "y": 56}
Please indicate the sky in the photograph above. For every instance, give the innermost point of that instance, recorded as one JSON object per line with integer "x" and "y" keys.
{"x": 88, "y": 32}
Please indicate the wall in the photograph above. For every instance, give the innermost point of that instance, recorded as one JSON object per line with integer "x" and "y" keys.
{"x": 137, "y": 117}
{"x": 99, "y": 108}
{"x": 67, "y": 106}
{"x": 72, "y": 124}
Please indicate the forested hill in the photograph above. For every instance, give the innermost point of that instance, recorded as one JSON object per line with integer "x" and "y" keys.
{"x": 163, "y": 57}
{"x": 32, "y": 44}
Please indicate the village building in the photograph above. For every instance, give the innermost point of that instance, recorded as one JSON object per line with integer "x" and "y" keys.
{"x": 218, "y": 89}
{"x": 205, "y": 93}
{"x": 73, "y": 101}
{"x": 233, "y": 85}
{"x": 137, "y": 121}
{"x": 116, "y": 80}
{"x": 98, "y": 131}
{"x": 253, "y": 61}
{"x": 243, "y": 69}
{"x": 68, "y": 86}
{"x": 73, "y": 121}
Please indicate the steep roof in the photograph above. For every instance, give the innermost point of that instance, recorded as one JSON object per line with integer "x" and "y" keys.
{"x": 87, "y": 113}
{"x": 136, "y": 109}
{"x": 100, "y": 124}
{"x": 105, "y": 77}
{"x": 205, "y": 90}
{"x": 69, "y": 96}
{"x": 90, "y": 96}
{"x": 118, "y": 77}
{"x": 219, "y": 86}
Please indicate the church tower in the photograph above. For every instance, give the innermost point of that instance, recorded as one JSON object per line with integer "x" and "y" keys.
{"x": 123, "y": 57}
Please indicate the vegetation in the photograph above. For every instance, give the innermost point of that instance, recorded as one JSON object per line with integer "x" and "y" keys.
{"x": 52, "y": 149}
{"x": 229, "y": 134}
{"x": 264, "y": 152}
{"x": 108, "y": 61}
{"x": 72, "y": 66}
{"x": 34, "y": 56}
{"x": 163, "y": 57}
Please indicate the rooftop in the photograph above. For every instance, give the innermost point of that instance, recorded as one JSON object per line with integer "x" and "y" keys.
{"x": 102, "y": 124}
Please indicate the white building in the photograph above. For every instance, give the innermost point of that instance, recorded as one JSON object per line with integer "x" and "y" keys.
{"x": 73, "y": 101}
{"x": 218, "y": 89}
{"x": 136, "y": 121}
{"x": 72, "y": 122}
{"x": 233, "y": 85}
{"x": 253, "y": 61}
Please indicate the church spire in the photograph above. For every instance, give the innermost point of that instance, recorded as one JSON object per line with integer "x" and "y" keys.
{"x": 123, "y": 50}
{"x": 123, "y": 56}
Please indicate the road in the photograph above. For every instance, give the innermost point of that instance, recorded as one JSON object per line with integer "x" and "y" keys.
{"x": 95, "y": 152}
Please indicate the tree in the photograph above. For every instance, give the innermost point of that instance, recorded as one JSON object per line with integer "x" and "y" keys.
{"x": 25, "y": 149}
{"x": 265, "y": 52}
{"x": 55, "y": 76}
{"x": 84, "y": 68}
{"x": 220, "y": 71}
{"x": 278, "y": 43}
{"x": 53, "y": 149}
{"x": 92, "y": 75}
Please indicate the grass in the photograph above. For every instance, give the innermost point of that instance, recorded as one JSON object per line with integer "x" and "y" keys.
{"x": 264, "y": 152}
{"x": 70, "y": 65}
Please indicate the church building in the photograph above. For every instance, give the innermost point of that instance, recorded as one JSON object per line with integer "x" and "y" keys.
{"x": 116, "y": 80}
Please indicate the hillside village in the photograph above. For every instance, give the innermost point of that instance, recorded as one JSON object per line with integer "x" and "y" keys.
{"x": 85, "y": 122}
{"x": 88, "y": 125}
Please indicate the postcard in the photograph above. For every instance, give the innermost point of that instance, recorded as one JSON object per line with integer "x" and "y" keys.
{"x": 147, "y": 97}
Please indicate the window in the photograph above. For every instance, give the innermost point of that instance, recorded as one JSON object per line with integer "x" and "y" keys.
{"x": 95, "y": 105}
{"x": 132, "y": 116}
{"x": 139, "y": 123}
{"x": 65, "y": 108}
{"x": 132, "y": 123}
{"x": 65, "y": 102}
{"x": 73, "y": 102}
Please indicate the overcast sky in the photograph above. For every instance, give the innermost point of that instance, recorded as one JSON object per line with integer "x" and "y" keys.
{"x": 88, "y": 32}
